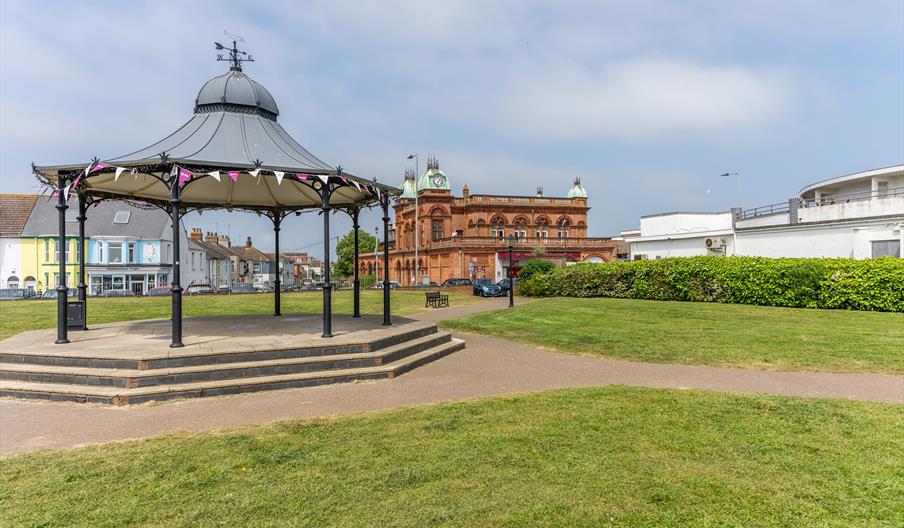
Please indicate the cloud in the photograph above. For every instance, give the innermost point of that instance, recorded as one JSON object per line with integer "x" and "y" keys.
{"x": 643, "y": 98}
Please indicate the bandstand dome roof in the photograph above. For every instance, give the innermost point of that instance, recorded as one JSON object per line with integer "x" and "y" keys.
{"x": 236, "y": 88}
{"x": 234, "y": 129}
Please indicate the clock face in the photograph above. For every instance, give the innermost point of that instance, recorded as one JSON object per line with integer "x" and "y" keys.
{"x": 438, "y": 180}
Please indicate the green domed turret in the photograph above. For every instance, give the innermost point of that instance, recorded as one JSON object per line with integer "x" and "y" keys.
{"x": 433, "y": 177}
{"x": 576, "y": 190}
{"x": 408, "y": 189}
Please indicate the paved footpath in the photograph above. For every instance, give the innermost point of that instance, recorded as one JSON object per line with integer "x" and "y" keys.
{"x": 487, "y": 367}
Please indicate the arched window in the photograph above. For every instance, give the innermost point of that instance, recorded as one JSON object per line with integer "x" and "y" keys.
{"x": 542, "y": 228}
{"x": 12, "y": 282}
{"x": 498, "y": 227}
{"x": 31, "y": 283}
{"x": 563, "y": 228}
{"x": 521, "y": 228}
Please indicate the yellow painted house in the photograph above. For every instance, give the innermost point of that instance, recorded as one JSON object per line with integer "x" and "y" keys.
{"x": 40, "y": 259}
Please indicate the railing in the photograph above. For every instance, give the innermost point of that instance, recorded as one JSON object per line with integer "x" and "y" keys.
{"x": 853, "y": 197}
{"x": 520, "y": 242}
{"x": 764, "y": 210}
{"x": 785, "y": 207}
{"x": 513, "y": 200}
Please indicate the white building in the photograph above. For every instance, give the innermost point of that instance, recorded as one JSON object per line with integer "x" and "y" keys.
{"x": 14, "y": 212}
{"x": 857, "y": 216}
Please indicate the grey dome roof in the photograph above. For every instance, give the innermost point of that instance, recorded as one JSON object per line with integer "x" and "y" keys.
{"x": 236, "y": 88}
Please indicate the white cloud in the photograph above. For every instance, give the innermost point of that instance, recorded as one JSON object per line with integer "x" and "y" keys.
{"x": 641, "y": 99}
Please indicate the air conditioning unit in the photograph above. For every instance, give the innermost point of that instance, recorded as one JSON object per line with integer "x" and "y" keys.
{"x": 715, "y": 243}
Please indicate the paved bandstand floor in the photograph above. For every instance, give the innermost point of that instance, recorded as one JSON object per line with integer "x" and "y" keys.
{"x": 487, "y": 367}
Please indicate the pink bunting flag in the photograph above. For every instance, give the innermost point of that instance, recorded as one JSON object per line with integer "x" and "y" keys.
{"x": 184, "y": 175}
{"x": 234, "y": 175}
{"x": 344, "y": 179}
{"x": 302, "y": 176}
{"x": 98, "y": 167}
{"x": 77, "y": 179}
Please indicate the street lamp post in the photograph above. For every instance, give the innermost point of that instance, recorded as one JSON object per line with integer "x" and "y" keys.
{"x": 376, "y": 262}
{"x": 417, "y": 227}
{"x": 511, "y": 283}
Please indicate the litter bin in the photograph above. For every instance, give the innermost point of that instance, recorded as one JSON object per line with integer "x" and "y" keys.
{"x": 75, "y": 315}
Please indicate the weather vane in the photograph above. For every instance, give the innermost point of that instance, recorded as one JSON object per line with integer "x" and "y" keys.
{"x": 236, "y": 56}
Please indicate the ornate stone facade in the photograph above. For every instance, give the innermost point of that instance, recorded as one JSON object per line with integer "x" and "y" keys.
{"x": 468, "y": 236}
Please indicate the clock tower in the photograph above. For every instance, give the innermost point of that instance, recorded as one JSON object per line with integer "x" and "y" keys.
{"x": 433, "y": 178}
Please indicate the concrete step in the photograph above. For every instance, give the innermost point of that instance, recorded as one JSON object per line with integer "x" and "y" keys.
{"x": 131, "y": 378}
{"x": 187, "y": 357}
{"x": 124, "y": 396}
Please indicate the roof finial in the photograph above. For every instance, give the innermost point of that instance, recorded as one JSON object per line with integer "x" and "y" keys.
{"x": 236, "y": 56}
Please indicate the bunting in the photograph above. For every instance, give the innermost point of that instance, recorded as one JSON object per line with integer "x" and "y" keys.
{"x": 214, "y": 174}
{"x": 119, "y": 171}
{"x": 254, "y": 172}
{"x": 184, "y": 176}
{"x": 234, "y": 175}
{"x": 279, "y": 177}
{"x": 324, "y": 178}
{"x": 97, "y": 167}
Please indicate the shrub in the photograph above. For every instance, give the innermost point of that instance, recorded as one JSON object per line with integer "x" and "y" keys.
{"x": 533, "y": 266}
{"x": 876, "y": 284}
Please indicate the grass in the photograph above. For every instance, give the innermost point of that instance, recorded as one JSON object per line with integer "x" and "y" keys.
{"x": 726, "y": 335}
{"x": 19, "y": 316}
{"x": 588, "y": 457}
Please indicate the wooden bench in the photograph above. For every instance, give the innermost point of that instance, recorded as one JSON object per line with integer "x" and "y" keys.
{"x": 436, "y": 300}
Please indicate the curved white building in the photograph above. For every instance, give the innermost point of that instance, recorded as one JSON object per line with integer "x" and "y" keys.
{"x": 858, "y": 215}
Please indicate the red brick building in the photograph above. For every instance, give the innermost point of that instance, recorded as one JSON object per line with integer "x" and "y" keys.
{"x": 468, "y": 236}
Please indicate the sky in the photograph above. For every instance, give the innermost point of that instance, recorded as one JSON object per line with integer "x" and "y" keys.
{"x": 648, "y": 102}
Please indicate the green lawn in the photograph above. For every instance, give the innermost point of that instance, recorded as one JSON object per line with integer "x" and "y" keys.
{"x": 728, "y": 335}
{"x": 19, "y": 316}
{"x": 591, "y": 457}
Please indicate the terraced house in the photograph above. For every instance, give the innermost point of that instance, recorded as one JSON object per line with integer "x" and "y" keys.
{"x": 127, "y": 247}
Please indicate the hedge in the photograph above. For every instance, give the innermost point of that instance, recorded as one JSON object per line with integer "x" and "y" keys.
{"x": 873, "y": 284}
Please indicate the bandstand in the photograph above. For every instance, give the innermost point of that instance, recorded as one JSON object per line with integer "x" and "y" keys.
{"x": 232, "y": 154}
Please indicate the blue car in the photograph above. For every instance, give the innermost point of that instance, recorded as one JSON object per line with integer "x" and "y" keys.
{"x": 486, "y": 288}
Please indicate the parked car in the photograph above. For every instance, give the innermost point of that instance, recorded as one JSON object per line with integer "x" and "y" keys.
{"x": 158, "y": 291}
{"x": 392, "y": 285}
{"x": 200, "y": 289}
{"x": 486, "y": 288}
{"x": 116, "y": 293}
{"x": 457, "y": 282}
{"x": 52, "y": 293}
{"x": 505, "y": 283}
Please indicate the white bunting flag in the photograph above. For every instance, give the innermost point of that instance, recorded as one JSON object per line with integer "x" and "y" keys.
{"x": 357, "y": 186}
{"x": 279, "y": 177}
{"x": 214, "y": 174}
{"x": 119, "y": 171}
{"x": 66, "y": 192}
{"x": 254, "y": 172}
{"x": 323, "y": 177}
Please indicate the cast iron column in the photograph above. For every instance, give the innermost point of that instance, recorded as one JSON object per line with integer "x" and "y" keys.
{"x": 356, "y": 282}
{"x": 62, "y": 289}
{"x": 82, "y": 286}
{"x": 175, "y": 202}
{"x": 385, "y": 204}
{"x": 511, "y": 280}
{"x": 327, "y": 295}
{"x": 277, "y": 283}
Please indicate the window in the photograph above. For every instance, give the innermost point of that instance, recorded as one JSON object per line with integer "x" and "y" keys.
{"x": 886, "y": 248}
{"x": 520, "y": 228}
{"x": 12, "y": 282}
{"x": 47, "y": 250}
{"x": 56, "y": 250}
{"x": 122, "y": 217}
{"x": 114, "y": 250}
{"x": 131, "y": 252}
{"x": 436, "y": 229}
{"x": 542, "y": 229}
{"x": 498, "y": 228}
{"x": 563, "y": 228}
{"x": 119, "y": 282}
{"x": 882, "y": 187}
{"x": 100, "y": 253}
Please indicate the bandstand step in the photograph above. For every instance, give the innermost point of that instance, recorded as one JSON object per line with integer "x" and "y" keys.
{"x": 133, "y": 378}
{"x": 397, "y": 362}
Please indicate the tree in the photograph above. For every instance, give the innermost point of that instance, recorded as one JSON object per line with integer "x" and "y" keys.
{"x": 345, "y": 266}
{"x": 534, "y": 266}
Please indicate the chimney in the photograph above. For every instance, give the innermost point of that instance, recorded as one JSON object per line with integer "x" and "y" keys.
{"x": 196, "y": 233}
{"x": 539, "y": 192}
{"x": 465, "y": 192}
{"x": 211, "y": 237}
{"x": 223, "y": 240}
{"x": 248, "y": 242}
